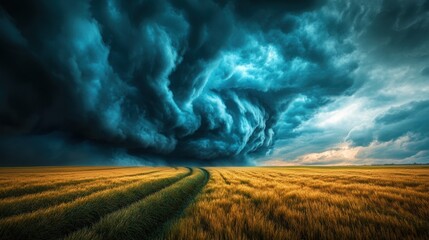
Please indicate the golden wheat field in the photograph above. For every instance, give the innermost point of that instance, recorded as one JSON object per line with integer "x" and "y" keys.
{"x": 380, "y": 202}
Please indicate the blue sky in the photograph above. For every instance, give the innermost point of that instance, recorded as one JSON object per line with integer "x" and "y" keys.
{"x": 214, "y": 82}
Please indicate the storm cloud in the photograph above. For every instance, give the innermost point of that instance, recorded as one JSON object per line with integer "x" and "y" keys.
{"x": 391, "y": 50}
{"x": 199, "y": 82}
{"x": 401, "y": 132}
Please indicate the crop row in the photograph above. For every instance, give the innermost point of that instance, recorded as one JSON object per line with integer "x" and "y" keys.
{"x": 57, "y": 221}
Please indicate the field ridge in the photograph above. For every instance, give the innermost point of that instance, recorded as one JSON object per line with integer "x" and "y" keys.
{"x": 31, "y": 202}
{"x": 60, "y": 220}
{"x": 159, "y": 209}
{"x": 32, "y": 188}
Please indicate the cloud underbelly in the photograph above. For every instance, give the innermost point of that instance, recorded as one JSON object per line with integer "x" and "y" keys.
{"x": 201, "y": 81}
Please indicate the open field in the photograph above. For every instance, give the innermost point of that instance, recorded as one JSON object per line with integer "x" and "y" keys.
{"x": 214, "y": 203}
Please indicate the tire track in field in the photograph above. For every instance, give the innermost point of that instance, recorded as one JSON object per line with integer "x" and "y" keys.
{"x": 60, "y": 220}
{"x": 158, "y": 233}
{"x": 38, "y": 188}
{"x": 150, "y": 217}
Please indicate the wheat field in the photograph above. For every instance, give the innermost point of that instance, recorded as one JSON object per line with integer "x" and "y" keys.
{"x": 370, "y": 202}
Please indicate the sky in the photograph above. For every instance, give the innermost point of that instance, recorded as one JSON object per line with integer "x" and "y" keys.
{"x": 191, "y": 82}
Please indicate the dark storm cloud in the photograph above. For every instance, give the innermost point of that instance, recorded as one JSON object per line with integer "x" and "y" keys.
{"x": 394, "y": 38}
{"x": 425, "y": 71}
{"x": 389, "y": 41}
{"x": 180, "y": 81}
{"x": 399, "y": 29}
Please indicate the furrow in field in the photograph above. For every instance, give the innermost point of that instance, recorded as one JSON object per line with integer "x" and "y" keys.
{"x": 57, "y": 221}
{"x": 224, "y": 178}
{"x": 358, "y": 189}
{"x": 367, "y": 177}
{"x": 397, "y": 198}
{"x": 75, "y": 182}
{"x": 39, "y": 177}
{"x": 31, "y": 202}
{"x": 17, "y": 170}
{"x": 36, "y": 175}
{"x": 149, "y": 217}
{"x": 389, "y": 194}
{"x": 14, "y": 191}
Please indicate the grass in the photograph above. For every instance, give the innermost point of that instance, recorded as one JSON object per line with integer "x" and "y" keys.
{"x": 377, "y": 202}
{"x": 159, "y": 208}
{"x": 19, "y": 184}
{"x": 55, "y": 222}
{"x": 309, "y": 203}
{"x": 28, "y": 203}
